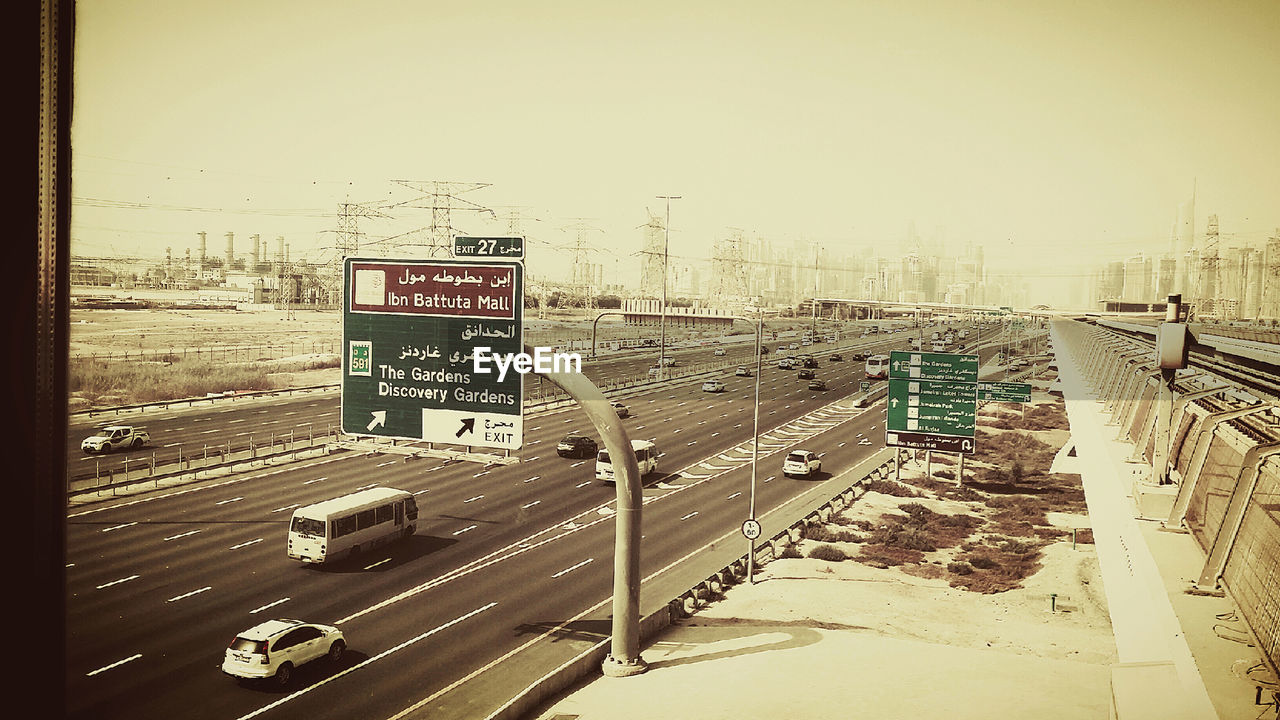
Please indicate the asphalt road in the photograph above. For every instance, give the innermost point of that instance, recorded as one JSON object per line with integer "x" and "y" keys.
{"x": 158, "y": 584}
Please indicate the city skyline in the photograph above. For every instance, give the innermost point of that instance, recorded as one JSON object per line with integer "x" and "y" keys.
{"x": 1057, "y": 138}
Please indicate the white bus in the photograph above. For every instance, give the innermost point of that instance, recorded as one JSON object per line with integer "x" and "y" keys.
{"x": 646, "y": 458}
{"x": 877, "y": 367}
{"x": 346, "y": 525}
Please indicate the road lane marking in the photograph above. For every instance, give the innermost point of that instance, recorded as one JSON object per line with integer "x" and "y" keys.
{"x": 380, "y": 562}
{"x": 581, "y": 484}
{"x": 268, "y": 606}
{"x": 529, "y": 480}
{"x": 119, "y": 527}
{"x": 245, "y": 544}
{"x": 286, "y": 507}
{"x": 321, "y": 479}
{"x": 115, "y": 664}
{"x": 117, "y": 582}
{"x": 468, "y": 528}
{"x": 570, "y": 569}
{"x": 225, "y": 502}
{"x": 371, "y": 660}
{"x": 526, "y": 506}
{"x": 187, "y": 595}
{"x": 468, "y": 500}
{"x": 686, "y": 517}
{"x": 181, "y": 535}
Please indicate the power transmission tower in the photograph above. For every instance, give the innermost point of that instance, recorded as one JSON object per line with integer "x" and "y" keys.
{"x": 728, "y": 270}
{"x": 584, "y": 280}
{"x": 441, "y": 198}
{"x": 654, "y": 256}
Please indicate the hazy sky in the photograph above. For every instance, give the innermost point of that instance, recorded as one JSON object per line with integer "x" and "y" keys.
{"x": 1057, "y": 134}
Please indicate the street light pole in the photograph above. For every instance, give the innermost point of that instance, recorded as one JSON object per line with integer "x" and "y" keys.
{"x": 662, "y": 318}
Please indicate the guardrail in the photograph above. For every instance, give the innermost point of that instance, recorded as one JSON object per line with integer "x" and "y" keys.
{"x": 133, "y": 472}
{"x": 701, "y": 593}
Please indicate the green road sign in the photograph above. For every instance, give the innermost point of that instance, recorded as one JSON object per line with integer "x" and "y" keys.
{"x": 410, "y": 331}
{"x": 496, "y": 247}
{"x": 864, "y": 385}
{"x": 937, "y": 407}
{"x": 1004, "y": 392}
{"x": 904, "y": 364}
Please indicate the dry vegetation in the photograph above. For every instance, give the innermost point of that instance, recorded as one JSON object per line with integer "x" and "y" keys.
{"x": 985, "y": 535}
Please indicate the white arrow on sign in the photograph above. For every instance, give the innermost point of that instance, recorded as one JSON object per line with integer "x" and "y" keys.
{"x": 379, "y": 418}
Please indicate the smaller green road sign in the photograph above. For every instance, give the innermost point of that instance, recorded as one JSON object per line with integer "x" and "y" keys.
{"x": 907, "y": 365}
{"x": 494, "y": 247}
{"x": 1004, "y": 392}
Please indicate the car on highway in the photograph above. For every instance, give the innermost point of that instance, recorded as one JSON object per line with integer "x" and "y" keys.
{"x": 837, "y": 357}
{"x": 764, "y": 349}
{"x": 714, "y": 386}
{"x": 669, "y": 361}
{"x": 808, "y": 361}
{"x": 576, "y": 444}
{"x": 794, "y": 346}
{"x": 817, "y": 384}
{"x": 273, "y": 649}
{"x": 805, "y": 374}
{"x": 719, "y": 352}
{"x": 801, "y": 463}
{"x": 115, "y": 437}
{"x": 742, "y": 371}
{"x": 620, "y": 409}
{"x": 786, "y": 363}
{"x": 858, "y": 356}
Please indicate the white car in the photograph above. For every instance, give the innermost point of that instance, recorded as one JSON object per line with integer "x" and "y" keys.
{"x": 801, "y": 463}
{"x": 115, "y": 437}
{"x": 743, "y": 371}
{"x": 713, "y": 386}
{"x": 274, "y": 648}
{"x": 719, "y": 351}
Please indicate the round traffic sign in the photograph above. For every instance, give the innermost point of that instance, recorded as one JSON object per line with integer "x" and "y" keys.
{"x": 751, "y": 528}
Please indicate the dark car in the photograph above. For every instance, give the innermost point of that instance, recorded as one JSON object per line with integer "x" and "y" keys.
{"x": 837, "y": 357}
{"x": 858, "y": 356}
{"x": 809, "y": 361}
{"x": 816, "y": 384}
{"x": 806, "y": 374}
{"x": 576, "y": 445}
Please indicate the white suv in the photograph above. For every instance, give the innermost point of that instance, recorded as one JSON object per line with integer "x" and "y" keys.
{"x": 801, "y": 462}
{"x": 274, "y": 648}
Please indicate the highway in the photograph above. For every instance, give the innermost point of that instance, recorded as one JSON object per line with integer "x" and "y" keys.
{"x": 158, "y": 584}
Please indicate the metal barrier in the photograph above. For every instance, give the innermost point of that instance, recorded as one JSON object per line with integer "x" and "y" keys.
{"x": 1224, "y": 457}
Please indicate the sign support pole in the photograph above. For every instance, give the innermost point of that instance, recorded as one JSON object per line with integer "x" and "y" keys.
{"x": 624, "y": 653}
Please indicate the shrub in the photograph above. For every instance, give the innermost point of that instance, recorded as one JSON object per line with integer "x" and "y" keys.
{"x": 828, "y": 552}
{"x": 960, "y": 568}
{"x": 790, "y": 551}
{"x": 982, "y": 562}
{"x": 891, "y": 487}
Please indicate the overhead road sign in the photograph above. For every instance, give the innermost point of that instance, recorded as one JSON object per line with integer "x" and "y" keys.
{"x": 1004, "y": 392}
{"x": 511, "y": 248}
{"x": 910, "y": 365}
{"x": 410, "y": 331}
